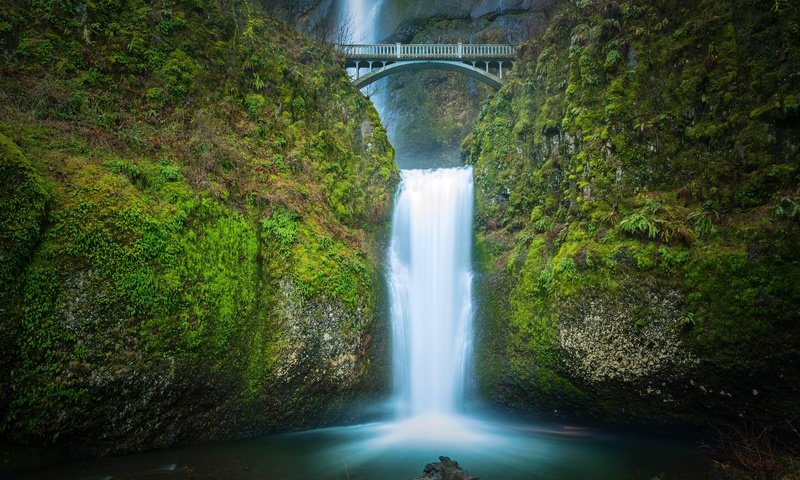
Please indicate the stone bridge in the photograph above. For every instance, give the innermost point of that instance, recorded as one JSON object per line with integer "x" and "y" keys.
{"x": 483, "y": 62}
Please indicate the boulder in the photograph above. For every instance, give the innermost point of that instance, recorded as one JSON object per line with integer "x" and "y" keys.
{"x": 445, "y": 469}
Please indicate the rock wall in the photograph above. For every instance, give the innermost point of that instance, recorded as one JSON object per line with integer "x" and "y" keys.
{"x": 399, "y": 15}
{"x": 637, "y": 201}
{"x": 194, "y": 207}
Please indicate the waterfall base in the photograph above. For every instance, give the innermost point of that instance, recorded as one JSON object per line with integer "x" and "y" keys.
{"x": 493, "y": 450}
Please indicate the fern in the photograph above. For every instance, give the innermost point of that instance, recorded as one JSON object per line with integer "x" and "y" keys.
{"x": 787, "y": 207}
{"x": 638, "y": 223}
{"x": 544, "y": 224}
{"x": 702, "y": 223}
{"x": 281, "y": 227}
{"x": 688, "y": 320}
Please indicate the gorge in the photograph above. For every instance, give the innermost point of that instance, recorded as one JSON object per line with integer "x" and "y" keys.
{"x": 204, "y": 274}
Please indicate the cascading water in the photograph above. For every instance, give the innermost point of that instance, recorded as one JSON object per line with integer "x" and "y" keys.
{"x": 358, "y": 17}
{"x": 430, "y": 283}
{"x": 359, "y": 20}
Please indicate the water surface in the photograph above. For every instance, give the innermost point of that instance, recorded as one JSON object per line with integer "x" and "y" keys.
{"x": 400, "y": 450}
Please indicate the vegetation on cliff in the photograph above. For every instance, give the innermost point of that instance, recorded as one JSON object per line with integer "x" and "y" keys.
{"x": 638, "y": 186}
{"x": 192, "y": 201}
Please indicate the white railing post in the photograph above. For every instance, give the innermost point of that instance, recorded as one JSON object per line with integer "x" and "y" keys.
{"x": 397, "y": 46}
{"x": 460, "y": 50}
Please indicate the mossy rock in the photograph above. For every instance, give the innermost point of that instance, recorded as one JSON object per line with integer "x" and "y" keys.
{"x": 634, "y": 194}
{"x": 194, "y": 206}
{"x": 22, "y": 212}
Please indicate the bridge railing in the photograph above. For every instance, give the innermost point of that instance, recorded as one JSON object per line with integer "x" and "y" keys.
{"x": 459, "y": 51}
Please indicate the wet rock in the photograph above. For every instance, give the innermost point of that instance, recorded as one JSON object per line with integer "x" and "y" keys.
{"x": 445, "y": 469}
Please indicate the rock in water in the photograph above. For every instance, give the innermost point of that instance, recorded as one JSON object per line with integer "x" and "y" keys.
{"x": 445, "y": 469}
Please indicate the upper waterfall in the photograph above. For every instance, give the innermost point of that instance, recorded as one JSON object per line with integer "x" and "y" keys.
{"x": 358, "y": 19}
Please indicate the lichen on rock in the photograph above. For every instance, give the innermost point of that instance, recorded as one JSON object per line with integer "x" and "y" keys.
{"x": 604, "y": 342}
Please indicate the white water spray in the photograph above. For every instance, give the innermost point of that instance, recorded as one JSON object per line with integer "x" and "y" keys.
{"x": 360, "y": 18}
{"x": 430, "y": 283}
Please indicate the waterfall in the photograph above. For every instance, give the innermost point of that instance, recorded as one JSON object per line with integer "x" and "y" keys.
{"x": 430, "y": 282}
{"x": 430, "y": 276}
{"x": 359, "y": 17}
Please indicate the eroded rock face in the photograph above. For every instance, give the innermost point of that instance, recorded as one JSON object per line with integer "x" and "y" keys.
{"x": 323, "y": 340}
{"x": 604, "y": 341}
{"x": 396, "y": 13}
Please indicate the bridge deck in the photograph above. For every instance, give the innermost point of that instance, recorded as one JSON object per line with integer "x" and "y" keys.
{"x": 419, "y": 51}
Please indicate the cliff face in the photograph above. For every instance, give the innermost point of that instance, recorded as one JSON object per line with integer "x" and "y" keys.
{"x": 395, "y": 16}
{"x": 192, "y": 209}
{"x": 638, "y": 202}
{"x": 430, "y": 112}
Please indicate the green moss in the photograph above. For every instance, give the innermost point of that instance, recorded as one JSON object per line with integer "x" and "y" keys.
{"x": 201, "y": 165}
{"x": 531, "y": 304}
{"x": 631, "y": 172}
{"x": 23, "y": 199}
{"x": 326, "y": 267}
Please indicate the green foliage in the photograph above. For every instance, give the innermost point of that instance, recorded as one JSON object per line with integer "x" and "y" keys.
{"x": 179, "y": 73}
{"x": 780, "y": 6}
{"x": 254, "y": 102}
{"x": 170, "y": 173}
{"x": 678, "y": 179}
{"x": 326, "y": 267}
{"x": 220, "y": 265}
{"x": 147, "y": 232}
{"x": 131, "y": 171}
{"x": 639, "y": 223}
{"x": 787, "y": 207}
{"x": 688, "y": 320}
{"x": 702, "y": 223}
{"x": 614, "y": 57}
{"x": 280, "y": 228}
{"x": 23, "y": 200}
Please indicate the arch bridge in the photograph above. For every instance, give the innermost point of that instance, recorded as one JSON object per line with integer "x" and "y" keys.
{"x": 483, "y": 62}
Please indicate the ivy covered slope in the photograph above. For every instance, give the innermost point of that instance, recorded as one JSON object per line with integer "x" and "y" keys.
{"x": 638, "y": 210}
{"x": 191, "y": 204}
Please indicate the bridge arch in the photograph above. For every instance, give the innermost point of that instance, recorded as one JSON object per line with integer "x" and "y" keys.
{"x": 454, "y": 66}
{"x": 479, "y": 61}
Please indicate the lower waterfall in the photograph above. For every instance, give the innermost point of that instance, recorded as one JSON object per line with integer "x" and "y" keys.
{"x": 430, "y": 281}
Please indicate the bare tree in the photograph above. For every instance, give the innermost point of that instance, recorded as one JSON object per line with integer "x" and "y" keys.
{"x": 338, "y": 29}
